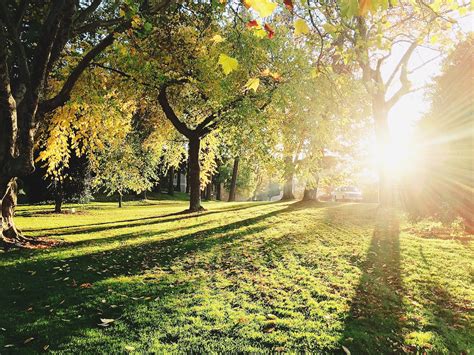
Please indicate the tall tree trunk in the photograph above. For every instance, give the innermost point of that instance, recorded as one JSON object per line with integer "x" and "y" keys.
{"x": 233, "y": 182}
{"x": 194, "y": 174}
{"x": 187, "y": 177}
{"x": 145, "y": 192}
{"x": 218, "y": 188}
{"x": 120, "y": 197}
{"x": 170, "y": 181}
{"x": 178, "y": 180}
{"x": 288, "y": 188}
{"x": 209, "y": 191}
{"x": 58, "y": 198}
{"x": 289, "y": 175}
{"x": 311, "y": 191}
{"x": 382, "y": 134}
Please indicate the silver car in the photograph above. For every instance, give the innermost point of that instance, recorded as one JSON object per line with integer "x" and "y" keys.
{"x": 347, "y": 193}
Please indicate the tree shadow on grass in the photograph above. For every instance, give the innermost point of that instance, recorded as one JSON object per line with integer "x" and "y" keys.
{"x": 53, "y": 300}
{"x": 376, "y": 317}
{"x": 97, "y": 227}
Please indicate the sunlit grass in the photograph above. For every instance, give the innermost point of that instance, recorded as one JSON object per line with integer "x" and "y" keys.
{"x": 248, "y": 277}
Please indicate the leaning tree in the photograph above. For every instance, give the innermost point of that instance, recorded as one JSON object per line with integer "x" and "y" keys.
{"x": 39, "y": 41}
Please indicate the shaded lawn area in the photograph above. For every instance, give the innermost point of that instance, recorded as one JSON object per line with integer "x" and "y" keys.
{"x": 242, "y": 277}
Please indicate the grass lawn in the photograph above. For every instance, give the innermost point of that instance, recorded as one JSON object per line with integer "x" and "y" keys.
{"x": 242, "y": 277}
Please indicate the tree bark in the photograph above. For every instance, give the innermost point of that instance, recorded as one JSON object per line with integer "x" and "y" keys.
{"x": 289, "y": 175}
{"x": 311, "y": 191}
{"x": 233, "y": 182}
{"x": 120, "y": 197}
{"x": 178, "y": 180}
{"x": 209, "y": 191}
{"x": 288, "y": 188}
{"x": 194, "y": 174}
{"x": 10, "y": 235}
{"x": 382, "y": 134}
{"x": 218, "y": 191}
{"x": 187, "y": 177}
{"x": 170, "y": 181}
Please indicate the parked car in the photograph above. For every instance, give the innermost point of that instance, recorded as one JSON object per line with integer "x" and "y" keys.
{"x": 347, "y": 193}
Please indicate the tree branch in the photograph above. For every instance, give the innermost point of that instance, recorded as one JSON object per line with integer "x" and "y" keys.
{"x": 64, "y": 95}
{"x": 402, "y": 63}
{"x": 170, "y": 114}
{"x": 15, "y": 38}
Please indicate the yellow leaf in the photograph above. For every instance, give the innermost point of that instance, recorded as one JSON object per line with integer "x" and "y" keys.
{"x": 217, "y": 39}
{"x": 252, "y": 84}
{"x": 228, "y": 64}
{"x": 263, "y": 7}
{"x": 301, "y": 27}
{"x": 121, "y": 13}
{"x": 314, "y": 73}
{"x": 260, "y": 33}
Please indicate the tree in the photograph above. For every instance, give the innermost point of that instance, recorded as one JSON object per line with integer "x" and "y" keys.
{"x": 360, "y": 33}
{"x": 123, "y": 167}
{"x": 37, "y": 41}
{"x": 443, "y": 179}
{"x": 194, "y": 96}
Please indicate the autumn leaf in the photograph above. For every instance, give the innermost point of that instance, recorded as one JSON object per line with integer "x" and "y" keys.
{"x": 301, "y": 27}
{"x": 264, "y": 8}
{"x": 260, "y": 33}
{"x": 252, "y": 84}
{"x": 228, "y": 64}
{"x": 252, "y": 23}
{"x": 288, "y": 4}
{"x": 364, "y": 7}
{"x": 217, "y": 39}
{"x": 346, "y": 350}
{"x": 269, "y": 30}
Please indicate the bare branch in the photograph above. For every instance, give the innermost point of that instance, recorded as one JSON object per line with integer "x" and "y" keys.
{"x": 403, "y": 62}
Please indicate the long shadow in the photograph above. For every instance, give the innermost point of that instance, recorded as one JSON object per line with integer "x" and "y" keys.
{"x": 98, "y": 227}
{"x": 42, "y": 298}
{"x": 376, "y": 316}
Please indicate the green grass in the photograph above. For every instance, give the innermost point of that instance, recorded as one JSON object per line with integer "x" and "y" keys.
{"x": 242, "y": 277}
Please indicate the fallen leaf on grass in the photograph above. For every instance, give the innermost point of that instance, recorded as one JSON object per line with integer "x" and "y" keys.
{"x": 9, "y": 346}
{"x": 346, "y": 350}
{"x": 28, "y": 340}
{"x": 129, "y": 348}
{"x": 46, "y": 347}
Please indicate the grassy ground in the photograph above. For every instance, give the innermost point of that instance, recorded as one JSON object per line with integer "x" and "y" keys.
{"x": 242, "y": 277}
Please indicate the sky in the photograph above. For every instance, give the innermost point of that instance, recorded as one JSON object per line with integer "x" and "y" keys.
{"x": 411, "y": 107}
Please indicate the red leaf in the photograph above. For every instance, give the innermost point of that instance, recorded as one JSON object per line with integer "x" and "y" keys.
{"x": 288, "y": 4}
{"x": 269, "y": 30}
{"x": 252, "y": 23}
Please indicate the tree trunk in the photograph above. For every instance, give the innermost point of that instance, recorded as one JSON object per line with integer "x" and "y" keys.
{"x": 187, "y": 177}
{"x": 170, "y": 181}
{"x": 289, "y": 175}
{"x": 178, "y": 181}
{"x": 145, "y": 197}
{"x": 311, "y": 191}
{"x": 120, "y": 199}
{"x": 209, "y": 191}
{"x": 233, "y": 182}
{"x": 218, "y": 191}
{"x": 288, "y": 189}
{"x": 382, "y": 134}
{"x": 194, "y": 175}
{"x": 10, "y": 235}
